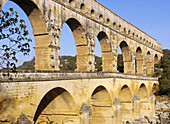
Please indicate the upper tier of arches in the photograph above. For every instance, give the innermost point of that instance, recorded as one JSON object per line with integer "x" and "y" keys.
{"x": 90, "y": 8}
{"x": 47, "y": 21}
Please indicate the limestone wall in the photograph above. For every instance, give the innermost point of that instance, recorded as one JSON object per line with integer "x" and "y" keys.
{"x": 82, "y": 100}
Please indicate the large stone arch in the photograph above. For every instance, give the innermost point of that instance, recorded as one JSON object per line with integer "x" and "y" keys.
{"x": 36, "y": 15}
{"x": 107, "y": 57}
{"x": 149, "y": 64}
{"x": 144, "y": 100}
{"x": 101, "y": 106}
{"x": 100, "y": 97}
{"x": 143, "y": 93}
{"x": 139, "y": 64}
{"x": 54, "y": 104}
{"x": 125, "y": 97}
{"x": 80, "y": 42}
{"x": 127, "y": 60}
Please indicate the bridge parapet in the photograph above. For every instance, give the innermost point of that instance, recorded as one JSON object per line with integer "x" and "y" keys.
{"x": 51, "y": 76}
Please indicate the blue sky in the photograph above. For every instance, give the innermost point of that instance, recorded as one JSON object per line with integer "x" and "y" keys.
{"x": 151, "y": 16}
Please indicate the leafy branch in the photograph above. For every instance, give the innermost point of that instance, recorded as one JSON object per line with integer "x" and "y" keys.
{"x": 13, "y": 39}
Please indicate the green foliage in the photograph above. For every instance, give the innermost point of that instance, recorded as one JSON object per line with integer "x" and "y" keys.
{"x": 163, "y": 69}
{"x": 98, "y": 65}
{"x": 28, "y": 65}
{"x": 68, "y": 63}
{"x": 120, "y": 63}
{"x": 13, "y": 39}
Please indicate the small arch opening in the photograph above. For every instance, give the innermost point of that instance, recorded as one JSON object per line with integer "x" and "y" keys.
{"x": 101, "y": 20}
{"x": 108, "y": 22}
{"x": 124, "y": 30}
{"x": 147, "y": 42}
{"x": 133, "y": 35}
{"x": 72, "y": 3}
{"x": 114, "y": 25}
{"x": 92, "y": 14}
{"x": 137, "y": 37}
{"x": 140, "y": 38}
{"x": 120, "y": 28}
{"x": 129, "y": 32}
{"x": 83, "y": 8}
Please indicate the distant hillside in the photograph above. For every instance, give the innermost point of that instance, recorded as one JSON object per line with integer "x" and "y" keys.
{"x": 68, "y": 63}
{"x": 27, "y": 65}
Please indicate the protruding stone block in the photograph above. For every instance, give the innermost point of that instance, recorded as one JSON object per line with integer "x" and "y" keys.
{"x": 22, "y": 119}
{"x": 86, "y": 114}
{"x": 117, "y": 108}
{"x": 152, "y": 104}
{"x": 136, "y": 107}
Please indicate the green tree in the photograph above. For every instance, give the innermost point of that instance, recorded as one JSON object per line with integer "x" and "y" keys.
{"x": 164, "y": 87}
{"x": 98, "y": 64}
{"x": 162, "y": 70}
{"x": 13, "y": 39}
{"x": 120, "y": 63}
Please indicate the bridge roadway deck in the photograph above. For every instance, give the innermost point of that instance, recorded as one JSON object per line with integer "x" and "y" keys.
{"x": 53, "y": 75}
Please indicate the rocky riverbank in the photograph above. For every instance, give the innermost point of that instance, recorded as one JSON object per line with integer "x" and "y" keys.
{"x": 163, "y": 110}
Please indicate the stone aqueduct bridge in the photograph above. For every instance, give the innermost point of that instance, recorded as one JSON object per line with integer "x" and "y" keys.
{"x": 88, "y": 20}
{"x": 77, "y": 98}
{"x": 72, "y": 98}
